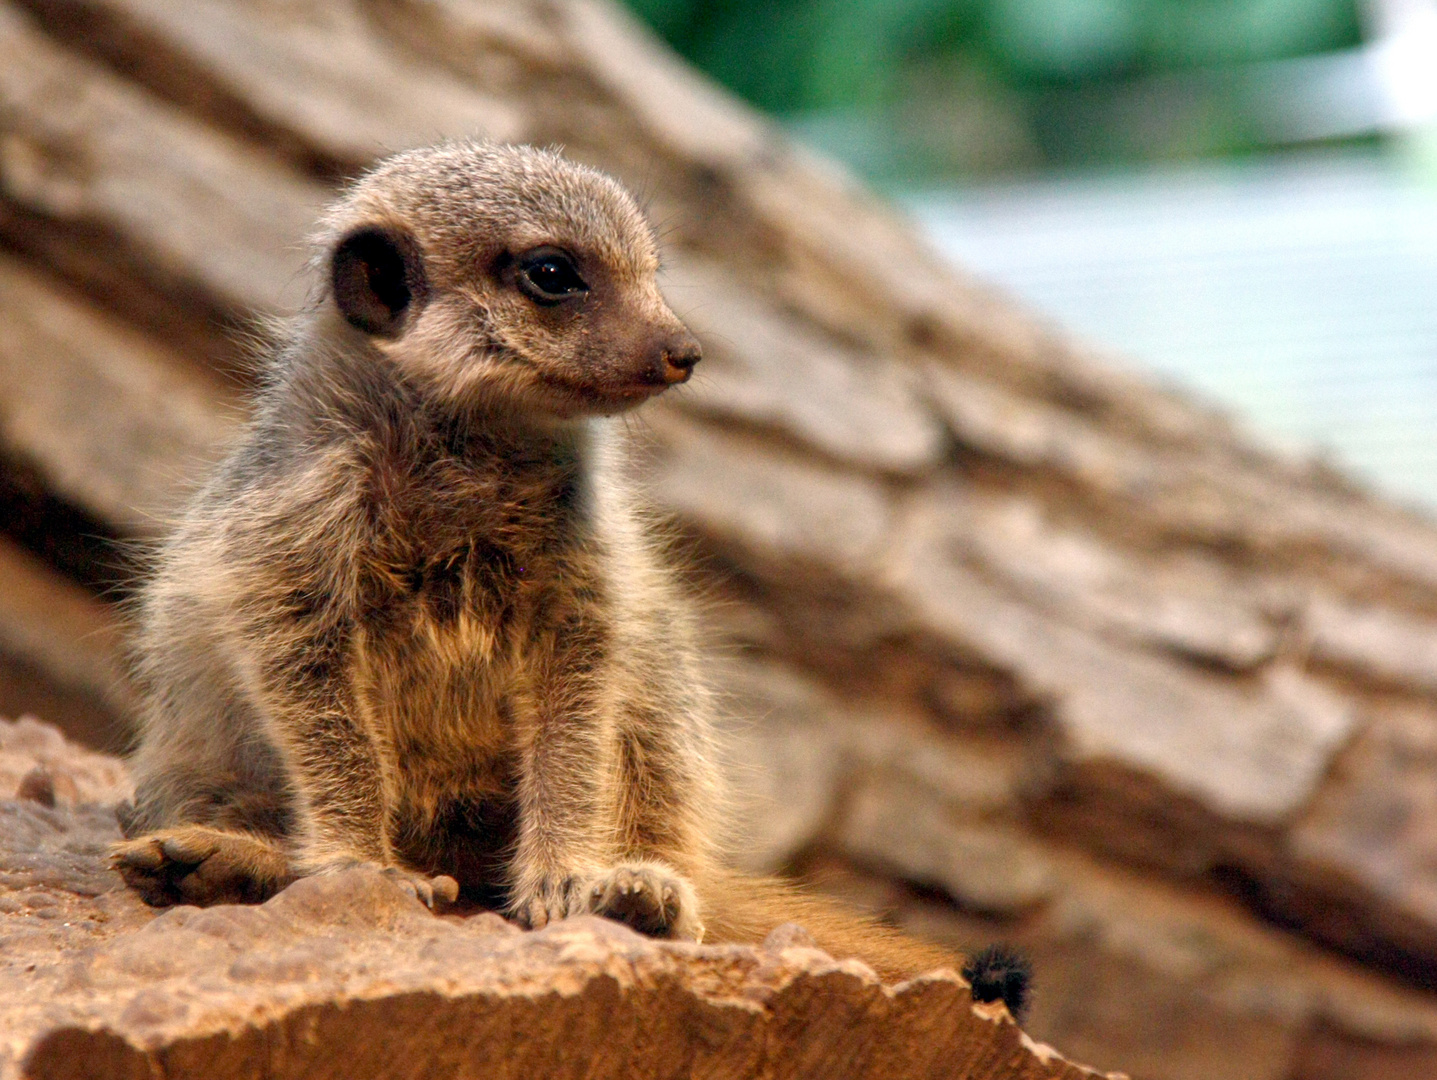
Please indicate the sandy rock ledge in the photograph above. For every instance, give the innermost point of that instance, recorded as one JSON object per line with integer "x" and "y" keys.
{"x": 346, "y": 976}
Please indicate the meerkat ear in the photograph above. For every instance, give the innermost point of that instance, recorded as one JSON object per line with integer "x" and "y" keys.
{"x": 378, "y": 278}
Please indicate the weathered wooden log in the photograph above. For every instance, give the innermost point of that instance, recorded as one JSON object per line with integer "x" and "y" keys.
{"x": 60, "y": 650}
{"x": 1064, "y": 621}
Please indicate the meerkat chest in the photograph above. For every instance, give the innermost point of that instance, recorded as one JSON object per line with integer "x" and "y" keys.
{"x": 471, "y": 566}
{"x": 436, "y": 692}
{"x": 442, "y": 629}
{"x": 450, "y": 568}
{"x": 443, "y": 656}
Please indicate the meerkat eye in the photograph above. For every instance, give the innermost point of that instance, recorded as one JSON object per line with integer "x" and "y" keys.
{"x": 548, "y": 276}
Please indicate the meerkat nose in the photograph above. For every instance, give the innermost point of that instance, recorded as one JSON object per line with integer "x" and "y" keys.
{"x": 680, "y": 354}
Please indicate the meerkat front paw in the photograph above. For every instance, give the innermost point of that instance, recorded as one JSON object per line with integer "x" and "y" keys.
{"x": 650, "y": 898}
{"x": 428, "y": 890}
{"x": 196, "y": 864}
{"x": 549, "y": 900}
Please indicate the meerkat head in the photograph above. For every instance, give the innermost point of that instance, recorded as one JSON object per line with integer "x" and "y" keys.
{"x": 506, "y": 275}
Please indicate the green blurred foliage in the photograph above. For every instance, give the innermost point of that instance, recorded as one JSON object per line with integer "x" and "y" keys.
{"x": 795, "y": 55}
{"x": 964, "y": 86}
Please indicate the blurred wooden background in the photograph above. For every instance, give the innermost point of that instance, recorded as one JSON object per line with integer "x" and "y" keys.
{"x": 1016, "y": 647}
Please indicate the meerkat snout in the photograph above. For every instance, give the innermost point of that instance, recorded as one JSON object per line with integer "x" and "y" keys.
{"x": 678, "y": 356}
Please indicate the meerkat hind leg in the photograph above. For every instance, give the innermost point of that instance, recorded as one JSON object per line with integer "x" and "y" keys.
{"x": 650, "y": 898}
{"x": 197, "y": 864}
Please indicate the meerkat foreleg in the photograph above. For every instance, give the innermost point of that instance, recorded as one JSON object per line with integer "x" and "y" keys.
{"x": 570, "y": 858}
{"x": 333, "y": 771}
{"x": 338, "y": 778}
{"x": 562, "y": 802}
{"x": 662, "y": 794}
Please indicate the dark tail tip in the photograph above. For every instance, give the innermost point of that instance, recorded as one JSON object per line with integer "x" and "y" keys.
{"x": 1001, "y": 973}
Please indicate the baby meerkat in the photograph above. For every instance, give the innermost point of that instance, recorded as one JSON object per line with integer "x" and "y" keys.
{"x": 417, "y": 620}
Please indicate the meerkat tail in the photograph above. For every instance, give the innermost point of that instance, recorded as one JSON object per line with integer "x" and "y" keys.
{"x": 1001, "y": 973}
{"x": 741, "y": 909}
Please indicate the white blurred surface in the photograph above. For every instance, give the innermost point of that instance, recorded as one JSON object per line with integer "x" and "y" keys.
{"x": 1300, "y": 292}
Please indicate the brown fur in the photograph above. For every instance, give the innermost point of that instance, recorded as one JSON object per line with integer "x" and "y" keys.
{"x": 417, "y": 620}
